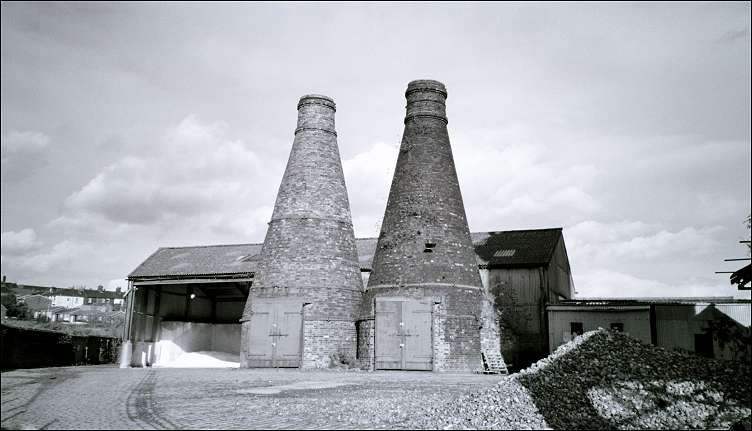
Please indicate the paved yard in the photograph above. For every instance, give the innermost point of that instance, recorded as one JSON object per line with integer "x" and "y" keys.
{"x": 108, "y": 397}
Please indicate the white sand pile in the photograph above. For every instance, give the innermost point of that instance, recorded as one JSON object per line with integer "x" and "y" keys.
{"x": 203, "y": 359}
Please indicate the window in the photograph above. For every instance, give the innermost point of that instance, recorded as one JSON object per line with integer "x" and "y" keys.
{"x": 704, "y": 345}
{"x": 505, "y": 252}
{"x": 575, "y": 328}
{"x": 617, "y": 326}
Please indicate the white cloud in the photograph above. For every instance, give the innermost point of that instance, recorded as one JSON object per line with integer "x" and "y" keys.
{"x": 122, "y": 283}
{"x": 512, "y": 177}
{"x": 22, "y": 154}
{"x": 18, "y": 142}
{"x": 195, "y": 174}
{"x": 595, "y": 243}
{"x": 196, "y": 186}
{"x": 43, "y": 260}
{"x": 634, "y": 258}
{"x": 19, "y": 242}
{"x": 368, "y": 176}
{"x": 615, "y": 284}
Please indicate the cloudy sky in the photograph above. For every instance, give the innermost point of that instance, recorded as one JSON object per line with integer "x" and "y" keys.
{"x": 128, "y": 127}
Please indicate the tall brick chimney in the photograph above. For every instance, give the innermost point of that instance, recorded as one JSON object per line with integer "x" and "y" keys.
{"x": 309, "y": 261}
{"x": 424, "y": 251}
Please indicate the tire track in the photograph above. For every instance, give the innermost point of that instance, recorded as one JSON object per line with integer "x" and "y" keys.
{"x": 141, "y": 407}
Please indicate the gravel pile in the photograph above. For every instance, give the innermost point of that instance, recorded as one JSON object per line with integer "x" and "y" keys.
{"x": 606, "y": 380}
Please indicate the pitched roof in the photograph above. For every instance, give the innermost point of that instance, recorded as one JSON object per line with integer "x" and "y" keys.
{"x": 671, "y": 300}
{"x": 91, "y": 293}
{"x": 516, "y": 247}
{"x": 200, "y": 260}
{"x": 66, "y": 291}
{"x": 24, "y": 289}
{"x": 531, "y": 247}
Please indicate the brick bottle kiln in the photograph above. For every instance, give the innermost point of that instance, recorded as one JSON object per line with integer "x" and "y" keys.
{"x": 424, "y": 307}
{"x": 302, "y": 305}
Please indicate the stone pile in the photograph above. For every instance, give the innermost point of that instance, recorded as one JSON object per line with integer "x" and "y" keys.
{"x": 607, "y": 380}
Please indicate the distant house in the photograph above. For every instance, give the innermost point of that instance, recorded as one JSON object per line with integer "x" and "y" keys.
{"x": 103, "y": 299}
{"x": 66, "y": 297}
{"x": 36, "y": 304}
{"x": 74, "y": 305}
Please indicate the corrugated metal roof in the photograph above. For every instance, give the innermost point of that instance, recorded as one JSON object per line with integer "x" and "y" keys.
{"x": 598, "y": 307}
{"x": 655, "y": 300}
{"x": 201, "y": 260}
{"x": 516, "y": 247}
{"x": 739, "y": 312}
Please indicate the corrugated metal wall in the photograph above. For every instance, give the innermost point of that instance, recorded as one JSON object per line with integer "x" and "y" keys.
{"x": 674, "y": 326}
{"x": 636, "y": 321}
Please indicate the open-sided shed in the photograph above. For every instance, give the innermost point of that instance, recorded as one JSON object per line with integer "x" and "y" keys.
{"x": 185, "y": 299}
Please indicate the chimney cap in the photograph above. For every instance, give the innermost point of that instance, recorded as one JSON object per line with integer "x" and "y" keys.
{"x": 426, "y": 85}
{"x": 318, "y": 99}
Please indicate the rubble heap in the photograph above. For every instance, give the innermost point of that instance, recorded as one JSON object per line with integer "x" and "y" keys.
{"x": 607, "y": 380}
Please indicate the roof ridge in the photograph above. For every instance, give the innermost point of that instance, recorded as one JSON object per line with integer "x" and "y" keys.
{"x": 521, "y": 230}
{"x": 211, "y": 245}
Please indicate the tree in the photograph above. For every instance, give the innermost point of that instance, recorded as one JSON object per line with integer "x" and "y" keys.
{"x": 13, "y": 307}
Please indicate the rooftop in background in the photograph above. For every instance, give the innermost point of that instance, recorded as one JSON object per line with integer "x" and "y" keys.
{"x": 86, "y": 293}
{"x": 530, "y": 247}
{"x": 23, "y": 290}
{"x": 656, "y": 300}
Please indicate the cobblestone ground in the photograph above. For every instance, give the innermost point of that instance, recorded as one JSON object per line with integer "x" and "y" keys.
{"x": 110, "y": 398}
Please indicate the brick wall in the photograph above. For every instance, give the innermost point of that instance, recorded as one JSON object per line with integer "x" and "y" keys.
{"x": 366, "y": 336}
{"x": 322, "y": 338}
{"x": 456, "y": 318}
{"x": 440, "y": 345}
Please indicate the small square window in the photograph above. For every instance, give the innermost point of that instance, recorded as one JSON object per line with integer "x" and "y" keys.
{"x": 575, "y": 328}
